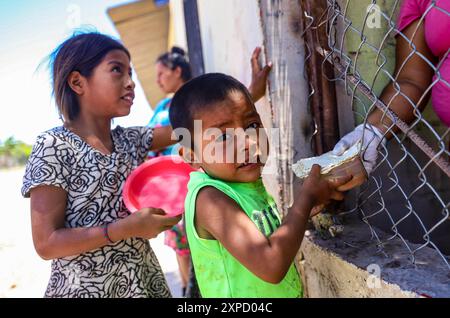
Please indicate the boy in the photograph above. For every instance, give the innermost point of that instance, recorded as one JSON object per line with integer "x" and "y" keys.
{"x": 239, "y": 246}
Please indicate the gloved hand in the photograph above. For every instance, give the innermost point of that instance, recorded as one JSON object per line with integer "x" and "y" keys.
{"x": 372, "y": 139}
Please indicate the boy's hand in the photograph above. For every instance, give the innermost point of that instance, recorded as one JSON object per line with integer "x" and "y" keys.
{"x": 257, "y": 87}
{"x": 319, "y": 190}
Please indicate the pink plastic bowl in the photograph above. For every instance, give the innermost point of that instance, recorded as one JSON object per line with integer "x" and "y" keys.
{"x": 158, "y": 183}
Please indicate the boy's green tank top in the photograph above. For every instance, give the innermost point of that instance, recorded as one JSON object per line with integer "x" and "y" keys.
{"x": 218, "y": 273}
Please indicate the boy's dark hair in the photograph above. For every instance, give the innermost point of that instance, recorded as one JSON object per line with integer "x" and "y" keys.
{"x": 176, "y": 58}
{"x": 199, "y": 94}
{"x": 82, "y": 52}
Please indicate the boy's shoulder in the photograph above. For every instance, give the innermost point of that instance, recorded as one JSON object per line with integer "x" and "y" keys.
{"x": 206, "y": 187}
{"x": 201, "y": 180}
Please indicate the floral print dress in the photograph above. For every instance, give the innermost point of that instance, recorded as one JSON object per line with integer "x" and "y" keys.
{"x": 94, "y": 182}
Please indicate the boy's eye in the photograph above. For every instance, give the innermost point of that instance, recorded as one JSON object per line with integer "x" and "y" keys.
{"x": 254, "y": 125}
{"x": 223, "y": 137}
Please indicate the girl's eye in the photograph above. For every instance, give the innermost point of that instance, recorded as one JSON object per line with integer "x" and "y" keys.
{"x": 116, "y": 69}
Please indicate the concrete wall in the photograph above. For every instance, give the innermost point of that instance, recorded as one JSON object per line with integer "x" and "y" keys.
{"x": 352, "y": 266}
{"x": 284, "y": 45}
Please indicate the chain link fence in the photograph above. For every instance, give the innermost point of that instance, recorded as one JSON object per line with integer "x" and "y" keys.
{"x": 356, "y": 68}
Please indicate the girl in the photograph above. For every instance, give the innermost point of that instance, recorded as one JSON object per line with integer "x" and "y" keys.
{"x": 75, "y": 176}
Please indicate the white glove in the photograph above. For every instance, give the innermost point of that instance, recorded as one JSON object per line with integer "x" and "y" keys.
{"x": 372, "y": 139}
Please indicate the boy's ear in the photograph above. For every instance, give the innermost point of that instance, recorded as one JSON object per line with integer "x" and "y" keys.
{"x": 188, "y": 156}
{"x": 76, "y": 82}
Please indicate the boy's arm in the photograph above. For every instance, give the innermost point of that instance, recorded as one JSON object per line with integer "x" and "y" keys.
{"x": 258, "y": 85}
{"x": 269, "y": 258}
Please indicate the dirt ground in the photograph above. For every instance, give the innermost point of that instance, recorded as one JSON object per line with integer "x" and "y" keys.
{"x": 22, "y": 272}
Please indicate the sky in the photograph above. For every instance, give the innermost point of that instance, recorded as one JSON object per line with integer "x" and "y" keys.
{"x": 29, "y": 31}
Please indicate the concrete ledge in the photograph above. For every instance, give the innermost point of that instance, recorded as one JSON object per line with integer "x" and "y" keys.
{"x": 352, "y": 266}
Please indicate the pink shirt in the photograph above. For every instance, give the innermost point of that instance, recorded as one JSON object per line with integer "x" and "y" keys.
{"x": 437, "y": 36}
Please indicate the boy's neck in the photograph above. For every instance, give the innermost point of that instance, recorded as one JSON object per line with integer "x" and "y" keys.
{"x": 229, "y": 181}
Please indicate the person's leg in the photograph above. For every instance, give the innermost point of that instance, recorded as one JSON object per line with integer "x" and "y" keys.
{"x": 183, "y": 265}
{"x": 192, "y": 290}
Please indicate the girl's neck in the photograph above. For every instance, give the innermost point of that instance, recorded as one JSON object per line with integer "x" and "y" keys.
{"x": 95, "y": 132}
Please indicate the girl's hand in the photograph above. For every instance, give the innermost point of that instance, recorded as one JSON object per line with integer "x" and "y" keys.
{"x": 318, "y": 190}
{"x": 257, "y": 87}
{"x": 146, "y": 223}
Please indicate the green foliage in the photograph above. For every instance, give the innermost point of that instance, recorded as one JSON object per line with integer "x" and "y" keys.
{"x": 14, "y": 151}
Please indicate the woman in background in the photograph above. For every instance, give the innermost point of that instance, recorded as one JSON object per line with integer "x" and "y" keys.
{"x": 172, "y": 71}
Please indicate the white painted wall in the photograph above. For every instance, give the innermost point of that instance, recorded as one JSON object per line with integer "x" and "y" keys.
{"x": 230, "y": 31}
{"x": 178, "y": 31}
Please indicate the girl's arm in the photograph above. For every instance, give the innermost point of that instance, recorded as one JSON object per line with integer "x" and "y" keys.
{"x": 414, "y": 78}
{"x": 162, "y": 138}
{"x": 220, "y": 217}
{"x": 52, "y": 240}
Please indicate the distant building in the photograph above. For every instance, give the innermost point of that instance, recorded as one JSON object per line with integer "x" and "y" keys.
{"x": 144, "y": 29}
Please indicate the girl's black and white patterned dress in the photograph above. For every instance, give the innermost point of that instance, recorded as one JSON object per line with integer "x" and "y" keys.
{"x": 93, "y": 182}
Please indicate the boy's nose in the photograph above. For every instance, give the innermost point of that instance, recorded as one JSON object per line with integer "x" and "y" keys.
{"x": 249, "y": 149}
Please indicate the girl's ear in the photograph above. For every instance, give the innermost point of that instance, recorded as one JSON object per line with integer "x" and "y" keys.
{"x": 76, "y": 82}
{"x": 188, "y": 156}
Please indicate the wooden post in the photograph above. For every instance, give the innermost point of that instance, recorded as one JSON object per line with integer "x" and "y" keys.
{"x": 193, "y": 37}
{"x": 323, "y": 102}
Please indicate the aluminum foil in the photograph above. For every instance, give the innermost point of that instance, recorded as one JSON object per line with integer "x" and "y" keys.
{"x": 327, "y": 161}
